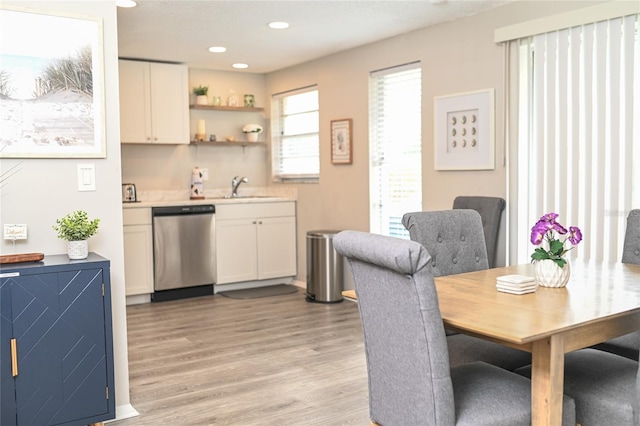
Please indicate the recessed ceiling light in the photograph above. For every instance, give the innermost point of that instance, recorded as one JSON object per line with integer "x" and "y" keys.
{"x": 217, "y": 49}
{"x": 240, "y": 66}
{"x": 126, "y": 3}
{"x": 278, "y": 25}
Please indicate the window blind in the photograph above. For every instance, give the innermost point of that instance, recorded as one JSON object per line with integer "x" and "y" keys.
{"x": 576, "y": 139}
{"x": 395, "y": 138}
{"x": 295, "y": 137}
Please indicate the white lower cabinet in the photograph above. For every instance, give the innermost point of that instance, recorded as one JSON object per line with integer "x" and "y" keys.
{"x": 255, "y": 241}
{"x": 138, "y": 251}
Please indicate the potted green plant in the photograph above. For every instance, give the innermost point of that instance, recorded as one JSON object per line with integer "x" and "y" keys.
{"x": 252, "y": 131}
{"x": 201, "y": 94}
{"x": 76, "y": 229}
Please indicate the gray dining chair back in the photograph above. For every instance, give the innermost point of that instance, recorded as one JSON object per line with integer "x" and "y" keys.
{"x": 455, "y": 241}
{"x": 631, "y": 248}
{"x": 490, "y": 210}
{"x": 410, "y": 382}
{"x": 453, "y": 238}
{"x": 629, "y": 344}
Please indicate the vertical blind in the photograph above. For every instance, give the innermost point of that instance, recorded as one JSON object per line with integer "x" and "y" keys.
{"x": 395, "y": 138}
{"x": 294, "y": 135}
{"x": 577, "y": 150}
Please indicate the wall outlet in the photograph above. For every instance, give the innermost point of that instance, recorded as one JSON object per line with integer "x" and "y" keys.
{"x": 15, "y": 231}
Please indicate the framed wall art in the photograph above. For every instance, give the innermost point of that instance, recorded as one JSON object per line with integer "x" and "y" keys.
{"x": 341, "y": 144}
{"x": 51, "y": 85}
{"x": 464, "y": 136}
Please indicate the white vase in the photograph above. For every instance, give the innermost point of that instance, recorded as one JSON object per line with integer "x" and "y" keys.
{"x": 252, "y": 137}
{"x": 549, "y": 274}
{"x": 202, "y": 100}
{"x": 78, "y": 249}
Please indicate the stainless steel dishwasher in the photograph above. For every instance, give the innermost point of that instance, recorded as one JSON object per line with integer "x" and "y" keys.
{"x": 184, "y": 260}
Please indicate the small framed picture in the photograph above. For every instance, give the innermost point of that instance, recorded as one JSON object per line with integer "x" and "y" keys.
{"x": 341, "y": 147}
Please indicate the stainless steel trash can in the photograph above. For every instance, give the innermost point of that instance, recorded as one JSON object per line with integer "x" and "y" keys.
{"x": 324, "y": 268}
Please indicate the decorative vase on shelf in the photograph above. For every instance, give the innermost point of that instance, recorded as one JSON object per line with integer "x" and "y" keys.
{"x": 252, "y": 137}
{"x": 202, "y": 100}
{"x": 78, "y": 249}
{"x": 549, "y": 274}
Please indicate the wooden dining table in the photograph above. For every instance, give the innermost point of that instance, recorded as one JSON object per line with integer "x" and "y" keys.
{"x": 600, "y": 302}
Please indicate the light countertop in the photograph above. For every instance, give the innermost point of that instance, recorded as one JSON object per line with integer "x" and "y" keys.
{"x": 178, "y": 198}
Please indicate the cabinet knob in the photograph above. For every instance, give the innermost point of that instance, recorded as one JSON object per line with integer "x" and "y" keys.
{"x": 254, "y": 222}
{"x": 155, "y": 139}
{"x": 148, "y": 138}
{"x": 260, "y": 222}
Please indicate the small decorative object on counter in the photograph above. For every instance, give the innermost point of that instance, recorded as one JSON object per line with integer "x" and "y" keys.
{"x": 249, "y": 101}
{"x": 197, "y": 185}
{"x": 252, "y": 131}
{"x": 232, "y": 101}
{"x": 550, "y": 265}
{"x": 201, "y": 133}
{"x": 217, "y": 101}
{"x": 212, "y": 138}
{"x": 76, "y": 229}
{"x": 201, "y": 95}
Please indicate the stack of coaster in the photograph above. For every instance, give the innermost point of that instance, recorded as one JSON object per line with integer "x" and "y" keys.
{"x": 516, "y": 284}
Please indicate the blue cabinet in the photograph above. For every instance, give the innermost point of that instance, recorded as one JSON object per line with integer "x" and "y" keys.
{"x": 56, "y": 360}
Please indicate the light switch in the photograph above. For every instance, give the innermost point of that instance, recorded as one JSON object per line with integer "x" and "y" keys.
{"x": 86, "y": 177}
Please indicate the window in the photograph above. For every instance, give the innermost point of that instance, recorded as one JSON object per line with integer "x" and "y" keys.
{"x": 578, "y": 137}
{"x": 294, "y": 136}
{"x": 395, "y": 138}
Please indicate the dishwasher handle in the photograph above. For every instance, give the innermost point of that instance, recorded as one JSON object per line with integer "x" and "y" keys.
{"x": 184, "y": 210}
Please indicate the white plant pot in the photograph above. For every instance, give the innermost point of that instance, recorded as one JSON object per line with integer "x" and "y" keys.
{"x": 202, "y": 100}
{"x": 549, "y": 274}
{"x": 252, "y": 137}
{"x": 78, "y": 249}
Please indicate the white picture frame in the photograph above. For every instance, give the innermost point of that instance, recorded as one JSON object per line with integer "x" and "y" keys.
{"x": 464, "y": 135}
{"x": 44, "y": 120}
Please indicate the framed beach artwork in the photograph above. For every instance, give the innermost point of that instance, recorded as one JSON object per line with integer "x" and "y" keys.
{"x": 341, "y": 145}
{"x": 464, "y": 131}
{"x": 51, "y": 86}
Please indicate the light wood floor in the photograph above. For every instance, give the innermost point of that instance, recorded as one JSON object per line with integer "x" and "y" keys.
{"x": 277, "y": 360}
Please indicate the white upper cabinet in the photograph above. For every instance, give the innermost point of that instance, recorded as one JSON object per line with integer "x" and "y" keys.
{"x": 154, "y": 103}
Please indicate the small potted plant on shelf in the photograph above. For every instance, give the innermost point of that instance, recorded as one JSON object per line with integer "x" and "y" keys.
{"x": 252, "y": 131}
{"x": 201, "y": 95}
{"x": 76, "y": 229}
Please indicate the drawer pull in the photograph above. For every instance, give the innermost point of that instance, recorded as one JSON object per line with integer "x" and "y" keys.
{"x": 14, "y": 357}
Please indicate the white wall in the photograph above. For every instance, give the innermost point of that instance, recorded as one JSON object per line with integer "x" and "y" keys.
{"x": 456, "y": 57}
{"x": 46, "y": 189}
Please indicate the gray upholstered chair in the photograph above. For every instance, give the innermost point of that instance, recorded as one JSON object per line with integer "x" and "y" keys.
{"x": 453, "y": 238}
{"x": 455, "y": 241}
{"x": 629, "y": 344}
{"x": 490, "y": 210}
{"x": 604, "y": 386}
{"x": 631, "y": 248}
{"x": 410, "y": 382}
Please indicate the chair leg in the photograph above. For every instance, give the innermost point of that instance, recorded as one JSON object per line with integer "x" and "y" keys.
{"x": 373, "y": 423}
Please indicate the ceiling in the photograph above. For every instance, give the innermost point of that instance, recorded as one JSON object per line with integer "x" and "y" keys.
{"x": 183, "y": 30}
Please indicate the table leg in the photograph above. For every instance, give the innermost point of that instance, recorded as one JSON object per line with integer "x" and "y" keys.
{"x": 547, "y": 381}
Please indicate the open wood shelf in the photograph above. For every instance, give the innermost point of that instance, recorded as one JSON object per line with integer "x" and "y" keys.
{"x": 225, "y": 108}
{"x": 225, "y": 143}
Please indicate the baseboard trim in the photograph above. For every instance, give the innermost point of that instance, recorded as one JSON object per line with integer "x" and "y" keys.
{"x": 124, "y": 412}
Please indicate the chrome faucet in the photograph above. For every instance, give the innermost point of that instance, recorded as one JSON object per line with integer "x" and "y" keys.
{"x": 235, "y": 183}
